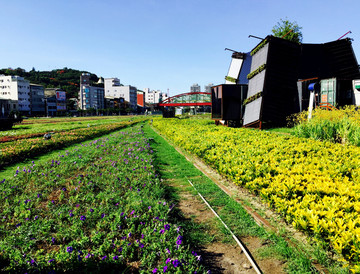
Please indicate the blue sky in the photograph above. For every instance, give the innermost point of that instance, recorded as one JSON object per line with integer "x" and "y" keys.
{"x": 159, "y": 44}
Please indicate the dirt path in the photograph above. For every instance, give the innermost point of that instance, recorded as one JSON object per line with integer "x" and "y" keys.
{"x": 222, "y": 257}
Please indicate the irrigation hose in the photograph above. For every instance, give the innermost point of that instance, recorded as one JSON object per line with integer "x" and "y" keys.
{"x": 248, "y": 256}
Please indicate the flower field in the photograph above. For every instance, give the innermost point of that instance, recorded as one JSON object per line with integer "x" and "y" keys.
{"x": 97, "y": 207}
{"x": 314, "y": 185}
{"x": 20, "y": 148}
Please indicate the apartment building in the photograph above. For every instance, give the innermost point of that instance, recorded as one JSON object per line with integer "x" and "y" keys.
{"x": 153, "y": 97}
{"x": 90, "y": 96}
{"x": 37, "y": 102}
{"x": 195, "y": 88}
{"x": 208, "y": 87}
{"x": 16, "y": 89}
{"x": 114, "y": 89}
{"x": 55, "y": 100}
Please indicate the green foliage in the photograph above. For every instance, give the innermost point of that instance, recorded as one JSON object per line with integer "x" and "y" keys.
{"x": 284, "y": 27}
{"x": 252, "y": 98}
{"x": 257, "y": 71}
{"x": 230, "y": 79}
{"x": 260, "y": 46}
{"x": 338, "y": 126}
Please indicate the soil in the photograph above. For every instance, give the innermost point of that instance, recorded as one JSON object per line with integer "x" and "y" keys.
{"x": 221, "y": 257}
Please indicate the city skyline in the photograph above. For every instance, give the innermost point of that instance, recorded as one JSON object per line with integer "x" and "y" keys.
{"x": 158, "y": 44}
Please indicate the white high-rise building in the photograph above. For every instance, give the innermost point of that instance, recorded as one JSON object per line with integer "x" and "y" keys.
{"x": 195, "y": 88}
{"x": 208, "y": 87}
{"x": 114, "y": 89}
{"x": 153, "y": 97}
{"x": 16, "y": 88}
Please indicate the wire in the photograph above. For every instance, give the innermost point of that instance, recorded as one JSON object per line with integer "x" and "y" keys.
{"x": 243, "y": 248}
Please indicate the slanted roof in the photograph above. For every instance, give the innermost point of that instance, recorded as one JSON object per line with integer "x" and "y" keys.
{"x": 332, "y": 59}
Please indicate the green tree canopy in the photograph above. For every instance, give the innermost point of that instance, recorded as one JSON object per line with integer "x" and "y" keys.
{"x": 290, "y": 29}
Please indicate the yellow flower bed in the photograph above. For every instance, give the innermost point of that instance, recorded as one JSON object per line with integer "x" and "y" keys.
{"x": 314, "y": 185}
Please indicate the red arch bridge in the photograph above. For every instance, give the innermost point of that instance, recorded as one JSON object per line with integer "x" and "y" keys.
{"x": 188, "y": 100}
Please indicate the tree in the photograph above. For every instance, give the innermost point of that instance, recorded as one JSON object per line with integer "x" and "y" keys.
{"x": 288, "y": 30}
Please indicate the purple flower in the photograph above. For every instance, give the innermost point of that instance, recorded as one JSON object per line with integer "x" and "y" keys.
{"x": 168, "y": 260}
{"x": 53, "y": 240}
{"x": 155, "y": 270}
{"x": 64, "y": 188}
{"x": 91, "y": 210}
{"x": 49, "y": 261}
{"x": 178, "y": 242}
{"x": 141, "y": 245}
{"x": 129, "y": 234}
{"x": 176, "y": 263}
{"x": 19, "y": 224}
{"x": 165, "y": 268}
{"x": 82, "y": 218}
{"x": 69, "y": 249}
{"x": 162, "y": 231}
{"x": 103, "y": 215}
{"x": 116, "y": 257}
{"x": 168, "y": 251}
{"x": 36, "y": 217}
{"x": 167, "y": 227}
{"x": 103, "y": 258}
{"x": 71, "y": 214}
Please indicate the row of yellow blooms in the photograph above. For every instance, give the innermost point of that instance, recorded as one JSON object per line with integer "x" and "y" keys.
{"x": 314, "y": 185}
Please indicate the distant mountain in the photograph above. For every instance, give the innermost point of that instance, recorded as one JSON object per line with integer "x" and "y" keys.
{"x": 66, "y": 79}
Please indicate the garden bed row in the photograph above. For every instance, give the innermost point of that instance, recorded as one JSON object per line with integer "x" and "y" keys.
{"x": 97, "y": 207}
{"x": 20, "y": 149}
